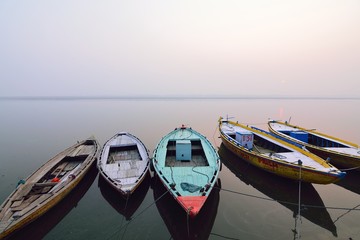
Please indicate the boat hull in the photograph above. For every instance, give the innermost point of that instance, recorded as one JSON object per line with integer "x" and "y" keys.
{"x": 294, "y": 172}
{"x": 336, "y": 159}
{"x": 340, "y": 159}
{"x": 130, "y": 172}
{"x": 188, "y": 183}
{"x": 40, "y": 209}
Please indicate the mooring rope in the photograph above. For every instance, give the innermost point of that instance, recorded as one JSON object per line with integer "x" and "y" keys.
{"x": 354, "y": 208}
{"x": 127, "y": 199}
{"x": 298, "y": 217}
{"x": 214, "y": 139}
{"x": 349, "y": 169}
{"x": 224, "y": 237}
{"x": 285, "y": 202}
{"x": 187, "y": 222}
{"x": 139, "y": 214}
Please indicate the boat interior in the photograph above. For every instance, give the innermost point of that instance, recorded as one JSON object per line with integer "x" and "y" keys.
{"x": 190, "y": 154}
{"x": 123, "y": 153}
{"x": 66, "y": 165}
{"x": 313, "y": 139}
{"x": 262, "y": 145}
{"x": 33, "y": 193}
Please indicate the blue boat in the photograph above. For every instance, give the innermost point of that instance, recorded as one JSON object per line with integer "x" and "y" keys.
{"x": 188, "y": 166}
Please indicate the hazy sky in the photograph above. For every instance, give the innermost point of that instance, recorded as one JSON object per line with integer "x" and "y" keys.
{"x": 167, "y": 47}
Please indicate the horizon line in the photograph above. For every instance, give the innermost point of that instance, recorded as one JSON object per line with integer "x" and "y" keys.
{"x": 160, "y": 97}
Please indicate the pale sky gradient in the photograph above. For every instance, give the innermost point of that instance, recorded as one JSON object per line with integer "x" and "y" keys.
{"x": 188, "y": 47}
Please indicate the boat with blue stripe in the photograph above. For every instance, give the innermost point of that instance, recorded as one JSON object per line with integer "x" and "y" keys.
{"x": 339, "y": 152}
{"x": 268, "y": 152}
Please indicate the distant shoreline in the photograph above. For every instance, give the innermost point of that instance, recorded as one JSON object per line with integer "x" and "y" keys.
{"x": 192, "y": 97}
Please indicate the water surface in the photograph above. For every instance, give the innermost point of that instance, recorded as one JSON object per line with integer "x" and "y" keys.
{"x": 251, "y": 204}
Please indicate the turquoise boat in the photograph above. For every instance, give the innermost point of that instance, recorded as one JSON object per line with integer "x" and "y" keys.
{"x": 188, "y": 166}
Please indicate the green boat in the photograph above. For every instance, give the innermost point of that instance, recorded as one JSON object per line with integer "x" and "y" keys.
{"x": 188, "y": 166}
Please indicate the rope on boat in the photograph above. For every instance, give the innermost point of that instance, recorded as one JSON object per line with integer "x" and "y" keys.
{"x": 285, "y": 202}
{"x": 127, "y": 199}
{"x": 140, "y": 213}
{"x": 224, "y": 237}
{"x": 187, "y": 222}
{"x": 354, "y": 208}
{"x": 298, "y": 217}
{"x": 208, "y": 179}
{"x": 349, "y": 169}
{"x": 214, "y": 139}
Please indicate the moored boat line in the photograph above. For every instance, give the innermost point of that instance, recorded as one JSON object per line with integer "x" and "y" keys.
{"x": 184, "y": 160}
{"x": 275, "y": 155}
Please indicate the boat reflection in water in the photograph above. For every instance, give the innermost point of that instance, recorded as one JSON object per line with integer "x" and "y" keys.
{"x": 42, "y": 226}
{"x": 287, "y": 191}
{"x": 126, "y": 207}
{"x": 176, "y": 220}
{"x": 351, "y": 181}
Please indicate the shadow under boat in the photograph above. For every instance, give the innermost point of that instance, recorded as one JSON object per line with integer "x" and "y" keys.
{"x": 126, "y": 207}
{"x": 351, "y": 181}
{"x": 285, "y": 191}
{"x": 175, "y": 218}
{"x": 44, "y": 224}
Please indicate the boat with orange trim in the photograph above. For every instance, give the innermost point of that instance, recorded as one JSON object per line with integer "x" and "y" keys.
{"x": 270, "y": 153}
{"x": 188, "y": 165}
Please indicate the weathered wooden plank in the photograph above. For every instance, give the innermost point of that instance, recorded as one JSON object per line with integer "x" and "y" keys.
{"x": 34, "y": 204}
{"x": 25, "y": 203}
{"x": 3, "y": 226}
{"x": 4, "y": 209}
{"x": 16, "y": 203}
{"x": 25, "y": 189}
{"x": 76, "y": 151}
{"x": 45, "y": 184}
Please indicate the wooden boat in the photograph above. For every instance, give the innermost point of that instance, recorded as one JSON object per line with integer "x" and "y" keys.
{"x": 339, "y": 152}
{"x": 188, "y": 166}
{"x": 283, "y": 191}
{"x": 274, "y": 155}
{"x": 43, "y": 226}
{"x": 124, "y": 162}
{"x": 47, "y": 186}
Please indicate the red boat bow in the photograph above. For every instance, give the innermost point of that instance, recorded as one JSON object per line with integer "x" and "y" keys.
{"x": 192, "y": 204}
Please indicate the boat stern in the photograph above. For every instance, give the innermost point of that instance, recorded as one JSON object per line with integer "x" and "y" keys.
{"x": 192, "y": 204}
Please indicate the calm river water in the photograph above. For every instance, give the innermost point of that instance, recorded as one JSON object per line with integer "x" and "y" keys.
{"x": 248, "y": 203}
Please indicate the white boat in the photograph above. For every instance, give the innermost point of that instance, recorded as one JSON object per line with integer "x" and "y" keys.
{"x": 339, "y": 152}
{"x": 124, "y": 162}
{"x": 47, "y": 186}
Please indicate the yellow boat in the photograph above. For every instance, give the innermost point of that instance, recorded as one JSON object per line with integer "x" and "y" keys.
{"x": 264, "y": 150}
{"x": 47, "y": 186}
{"x": 339, "y": 152}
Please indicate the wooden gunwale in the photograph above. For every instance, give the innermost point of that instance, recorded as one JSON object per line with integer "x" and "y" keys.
{"x": 48, "y": 200}
{"x": 277, "y": 166}
{"x": 337, "y": 157}
{"x": 142, "y": 150}
{"x": 293, "y": 168}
